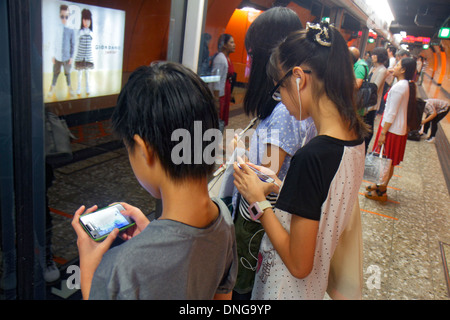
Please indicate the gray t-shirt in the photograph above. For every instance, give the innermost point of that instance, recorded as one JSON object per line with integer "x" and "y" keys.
{"x": 171, "y": 260}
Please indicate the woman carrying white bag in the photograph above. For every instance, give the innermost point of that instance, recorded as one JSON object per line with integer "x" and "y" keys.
{"x": 393, "y": 130}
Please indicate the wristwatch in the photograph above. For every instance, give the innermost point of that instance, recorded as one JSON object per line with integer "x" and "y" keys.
{"x": 257, "y": 209}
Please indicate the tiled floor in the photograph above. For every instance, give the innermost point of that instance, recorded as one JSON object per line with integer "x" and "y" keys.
{"x": 404, "y": 239}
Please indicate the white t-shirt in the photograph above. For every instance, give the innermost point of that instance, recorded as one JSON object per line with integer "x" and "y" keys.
{"x": 396, "y": 108}
{"x": 390, "y": 77}
{"x": 378, "y": 77}
{"x": 322, "y": 184}
{"x": 220, "y": 67}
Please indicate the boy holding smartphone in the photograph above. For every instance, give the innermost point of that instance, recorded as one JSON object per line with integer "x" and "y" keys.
{"x": 190, "y": 251}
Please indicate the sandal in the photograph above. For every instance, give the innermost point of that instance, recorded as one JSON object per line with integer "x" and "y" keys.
{"x": 372, "y": 187}
{"x": 376, "y": 195}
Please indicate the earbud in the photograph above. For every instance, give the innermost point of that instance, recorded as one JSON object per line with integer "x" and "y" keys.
{"x": 298, "y": 94}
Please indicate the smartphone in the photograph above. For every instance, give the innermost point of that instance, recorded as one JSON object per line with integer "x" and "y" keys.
{"x": 261, "y": 176}
{"x": 100, "y": 223}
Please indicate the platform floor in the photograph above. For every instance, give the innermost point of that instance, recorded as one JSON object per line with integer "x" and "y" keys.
{"x": 406, "y": 239}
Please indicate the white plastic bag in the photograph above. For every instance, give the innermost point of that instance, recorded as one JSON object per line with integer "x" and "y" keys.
{"x": 377, "y": 167}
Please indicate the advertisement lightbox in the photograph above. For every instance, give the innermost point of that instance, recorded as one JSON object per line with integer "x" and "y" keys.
{"x": 82, "y": 50}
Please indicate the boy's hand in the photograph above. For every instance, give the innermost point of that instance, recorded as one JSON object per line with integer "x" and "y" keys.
{"x": 139, "y": 218}
{"x": 90, "y": 252}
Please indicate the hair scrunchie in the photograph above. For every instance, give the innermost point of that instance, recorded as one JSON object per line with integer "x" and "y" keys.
{"x": 319, "y": 33}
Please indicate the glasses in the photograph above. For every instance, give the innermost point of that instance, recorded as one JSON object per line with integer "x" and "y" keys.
{"x": 64, "y": 17}
{"x": 275, "y": 94}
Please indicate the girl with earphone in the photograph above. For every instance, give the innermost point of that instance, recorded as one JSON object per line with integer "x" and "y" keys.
{"x": 276, "y": 138}
{"x": 314, "y": 78}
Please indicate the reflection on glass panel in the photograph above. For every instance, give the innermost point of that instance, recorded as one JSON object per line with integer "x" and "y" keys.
{"x": 83, "y": 49}
{"x": 234, "y": 18}
{"x": 223, "y": 60}
{"x": 104, "y": 46}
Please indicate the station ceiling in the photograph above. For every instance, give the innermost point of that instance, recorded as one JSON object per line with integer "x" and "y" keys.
{"x": 419, "y": 18}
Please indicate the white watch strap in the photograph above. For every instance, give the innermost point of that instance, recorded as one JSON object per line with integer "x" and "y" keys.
{"x": 264, "y": 205}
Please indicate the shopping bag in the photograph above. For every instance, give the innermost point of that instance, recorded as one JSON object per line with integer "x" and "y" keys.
{"x": 377, "y": 167}
{"x": 57, "y": 139}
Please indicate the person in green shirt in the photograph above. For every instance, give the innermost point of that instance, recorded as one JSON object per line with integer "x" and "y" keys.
{"x": 360, "y": 67}
{"x": 361, "y": 70}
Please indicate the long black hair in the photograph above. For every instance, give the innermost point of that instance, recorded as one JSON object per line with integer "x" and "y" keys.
{"x": 263, "y": 35}
{"x": 409, "y": 65}
{"x": 325, "y": 52}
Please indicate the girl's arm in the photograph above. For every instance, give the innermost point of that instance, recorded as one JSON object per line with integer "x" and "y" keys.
{"x": 296, "y": 248}
{"x": 430, "y": 117}
{"x": 274, "y": 158}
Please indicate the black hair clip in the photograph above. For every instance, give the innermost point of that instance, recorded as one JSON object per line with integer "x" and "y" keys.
{"x": 319, "y": 33}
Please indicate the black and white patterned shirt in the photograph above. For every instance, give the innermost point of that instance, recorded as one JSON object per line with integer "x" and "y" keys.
{"x": 84, "y": 52}
{"x": 322, "y": 184}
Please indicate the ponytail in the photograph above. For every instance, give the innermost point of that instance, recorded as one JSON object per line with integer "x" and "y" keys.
{"x": 413, "y": 118}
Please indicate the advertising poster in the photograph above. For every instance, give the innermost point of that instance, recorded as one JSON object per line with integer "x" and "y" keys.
{"x": 82, "y": 50}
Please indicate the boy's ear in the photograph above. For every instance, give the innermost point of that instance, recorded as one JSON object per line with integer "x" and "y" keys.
{"x": 143, "y": 149}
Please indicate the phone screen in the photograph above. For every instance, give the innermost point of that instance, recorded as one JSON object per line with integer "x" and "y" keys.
{"x": 101, "y": 222}
{"x": 261, "y": 176}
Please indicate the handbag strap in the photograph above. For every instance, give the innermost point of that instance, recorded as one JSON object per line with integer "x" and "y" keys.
{"x": 381, "y": 149}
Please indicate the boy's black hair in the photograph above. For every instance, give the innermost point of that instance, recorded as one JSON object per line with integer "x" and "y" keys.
{"x": 156, "y": 101}
{"x": 263, "y": 35}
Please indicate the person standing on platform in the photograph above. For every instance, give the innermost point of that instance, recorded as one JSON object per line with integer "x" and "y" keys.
{"x": 190, "y": 251}
{"x": 223, "y": 66}
{"x": 391, "y": 51}
{"x": 377, "y": 75}
{"x": 393, "y": 129}
{"x": 317, "y": 197}
{"x": 276, "y": 138}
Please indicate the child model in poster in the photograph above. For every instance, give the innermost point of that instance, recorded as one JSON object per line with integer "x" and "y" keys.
{"x": 63, "y": 50}
{"x": 83, "y": 60}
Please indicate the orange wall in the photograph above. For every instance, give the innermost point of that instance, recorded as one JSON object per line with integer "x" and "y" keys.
{"x": 439, "y": 64}
{"x": 237, "y": 27}
{"x": 218, "y": 14}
